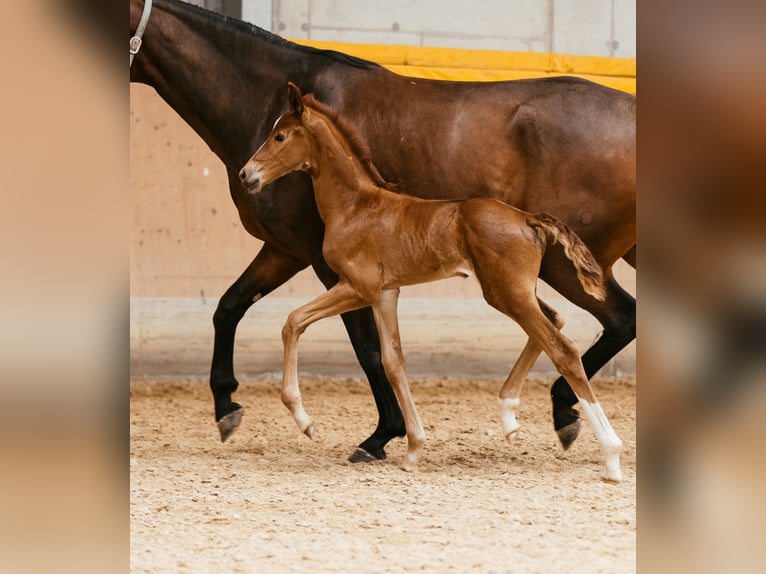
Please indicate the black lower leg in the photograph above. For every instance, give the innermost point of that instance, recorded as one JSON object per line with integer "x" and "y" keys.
{"x": 364, "y": 338}
{"x": 267, "y": 271}
{"x": 222, "y": 380}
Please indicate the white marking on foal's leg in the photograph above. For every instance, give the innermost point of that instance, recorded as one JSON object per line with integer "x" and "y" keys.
{"x": 610, "y": 442}
{"x": 410, "y": 462}
{"x": 508, "y": 413}
{"x": 302, "y": 419}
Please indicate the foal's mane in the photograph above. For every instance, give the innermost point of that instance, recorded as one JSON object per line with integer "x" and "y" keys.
{"x": 355, "y": 140}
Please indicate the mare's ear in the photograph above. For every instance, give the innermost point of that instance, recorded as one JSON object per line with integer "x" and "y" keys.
{"x": 295, "y": 97}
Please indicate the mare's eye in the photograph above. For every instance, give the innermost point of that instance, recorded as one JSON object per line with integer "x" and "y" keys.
{"x": 280, "y": 137}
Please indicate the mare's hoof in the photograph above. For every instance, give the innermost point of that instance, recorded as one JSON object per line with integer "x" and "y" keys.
{"x": 361, "y": 455}
{"x": 310, "y": 430}
{"x": 229, "y": 423}
{"x": 569, "y": 433}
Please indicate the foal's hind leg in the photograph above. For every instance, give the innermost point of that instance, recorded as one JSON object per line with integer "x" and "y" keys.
{"x": 509, "y": 398}
{"x": 617, "y": 314}
{"x": 566, "y": 358}
{"x": 339, "y": 299}
{"x": 394, "y": 363}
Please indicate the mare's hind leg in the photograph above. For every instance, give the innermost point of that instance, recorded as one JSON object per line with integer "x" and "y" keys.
{"x": 385, "y": 311}
{"x": 617, "y": 314}
{"x": 339, "y": 299}
{"x": 509, "y": 398}
{"x": 266, "y": 272}
{"x": 566, "y": 358}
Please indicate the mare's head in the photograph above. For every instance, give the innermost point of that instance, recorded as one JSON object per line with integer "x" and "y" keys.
{"x": 286, "y": 148}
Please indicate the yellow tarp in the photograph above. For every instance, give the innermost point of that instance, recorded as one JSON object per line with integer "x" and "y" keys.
{"x": 488, "y": 65}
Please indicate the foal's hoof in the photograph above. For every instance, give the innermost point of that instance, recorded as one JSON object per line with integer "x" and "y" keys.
{"x": 613, "y": 478}
{"x": 310, "y": 430}
{"x": 613, "y": 472}
{"x": 229, "y": 423}
{"x": 361, "y": 455}
{"x": 569, "y": 433}
{"x": 511, "y": 436}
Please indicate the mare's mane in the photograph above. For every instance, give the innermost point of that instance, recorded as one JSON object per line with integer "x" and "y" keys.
{"x": 228, "y": 22}
{"x": 357, "y": 143}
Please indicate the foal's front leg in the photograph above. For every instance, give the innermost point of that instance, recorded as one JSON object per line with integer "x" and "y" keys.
{"x": 339, "y": 299}
{"x": 393, "y": 361}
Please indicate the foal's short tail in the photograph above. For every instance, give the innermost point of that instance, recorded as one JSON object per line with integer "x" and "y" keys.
{"x": 588, "y": 270}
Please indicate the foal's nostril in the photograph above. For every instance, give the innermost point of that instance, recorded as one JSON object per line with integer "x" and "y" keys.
{"x": 242, "y": 175}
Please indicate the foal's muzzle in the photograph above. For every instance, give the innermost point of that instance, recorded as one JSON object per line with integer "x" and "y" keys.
{"x": 250, "y": 180}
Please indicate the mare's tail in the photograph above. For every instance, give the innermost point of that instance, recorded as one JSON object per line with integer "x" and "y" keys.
{"x": 588, "y": 270}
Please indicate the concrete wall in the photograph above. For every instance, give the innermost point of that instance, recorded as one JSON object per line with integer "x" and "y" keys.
{"x": 582, "y": 27}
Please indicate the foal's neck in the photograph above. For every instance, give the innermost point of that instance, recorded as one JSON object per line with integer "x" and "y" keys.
{"x": 340, "y": 179}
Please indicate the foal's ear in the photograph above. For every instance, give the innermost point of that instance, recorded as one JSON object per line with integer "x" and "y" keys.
{"x": 296, "y": 99}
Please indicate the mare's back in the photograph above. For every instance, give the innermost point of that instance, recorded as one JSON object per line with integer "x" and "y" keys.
{"x": 496, "y": 139}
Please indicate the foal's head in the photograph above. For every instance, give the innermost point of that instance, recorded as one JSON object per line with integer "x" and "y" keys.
{"x": 286, "y": 148}
{"x": 292, "y": 145}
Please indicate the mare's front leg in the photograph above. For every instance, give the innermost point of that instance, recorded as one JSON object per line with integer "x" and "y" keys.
{"x": 266, "y": 272}
{"x": 339, "y": 299}
{"x": 363, "y": 333}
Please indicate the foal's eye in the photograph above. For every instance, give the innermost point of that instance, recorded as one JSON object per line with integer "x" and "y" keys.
{"x": 280, "y": 137}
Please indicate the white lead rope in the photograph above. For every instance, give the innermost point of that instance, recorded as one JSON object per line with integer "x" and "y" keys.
{"x": 135, "y": 41}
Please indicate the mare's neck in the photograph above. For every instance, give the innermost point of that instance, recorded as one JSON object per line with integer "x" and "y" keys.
{"x": 224, "y": 79}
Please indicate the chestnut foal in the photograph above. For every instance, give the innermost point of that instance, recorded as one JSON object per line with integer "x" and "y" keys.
{"x": 377, "y": 240}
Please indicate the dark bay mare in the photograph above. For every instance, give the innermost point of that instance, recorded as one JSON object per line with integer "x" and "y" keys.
{"x": 378, "y": 239}
{"x": 562, "y": 146}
